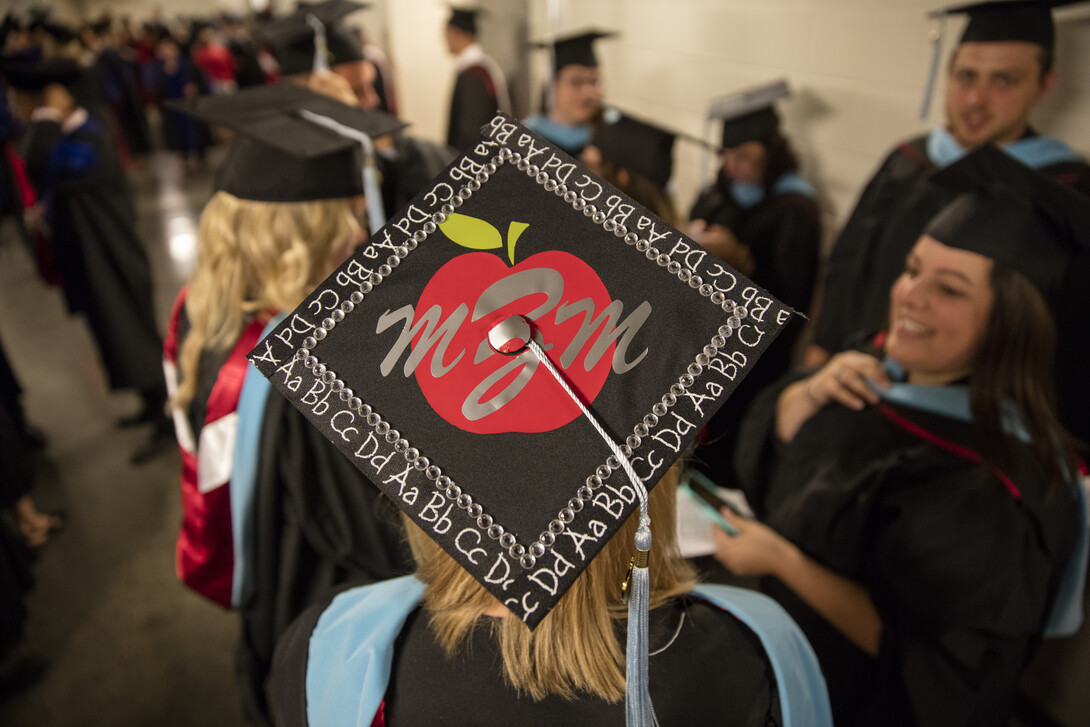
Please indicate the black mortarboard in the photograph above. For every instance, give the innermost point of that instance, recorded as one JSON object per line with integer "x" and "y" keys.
{"x": 749, "y": 115}
{"x": 575, "y": 49}
{"x": 1010, "y": 213}
{"x": 39, "y": 16}
{"x": 281, "y": 156}
{"x": 196, "y": 25}
{"x": 464, "y": 18}
{"x": 1003, "y": 20}
{"x": 35, "y": 75}
{"x": 10, "y": 25}
{"x": 636, "y": 145}
{"x": 292, "y": 37}
{"x": 59, "y": 32}
{"x": 102, "y": 25}
{"x": 397, "y": 359}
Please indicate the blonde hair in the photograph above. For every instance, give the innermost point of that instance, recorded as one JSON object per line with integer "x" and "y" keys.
{"x": 574, "y": 651}
{"x": 254, "y": 259}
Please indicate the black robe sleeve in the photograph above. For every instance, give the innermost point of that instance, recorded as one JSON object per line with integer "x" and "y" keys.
{"x": 787, "y": 254}
{"x": 855, "y": 287}
{"x": 36, "y": 148}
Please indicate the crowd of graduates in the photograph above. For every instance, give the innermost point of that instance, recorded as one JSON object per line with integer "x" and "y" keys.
{"x": 928, "y": 431}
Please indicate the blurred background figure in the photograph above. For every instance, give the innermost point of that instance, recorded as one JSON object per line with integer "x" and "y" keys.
{"x": 85, "y": 209}
{"x": 573, "y": 99}
{"x": 637, "y": 157}
{"x": 761, "y": 216}
{"x": 480, "y": 89}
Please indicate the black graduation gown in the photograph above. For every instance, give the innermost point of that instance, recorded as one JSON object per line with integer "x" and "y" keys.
{"x": 118, "y": 86}
{"x": 408, "y": 167}
{"x": 870, "y": 252}
{"x": 248, "y": 70}
{"x": 319, "y": 523}
{"x": 714, "y": 672}
{"x": 102, "y": 262}
{"x": 472, "y": 105}
{"x": 961, "y": 571}
{"x": 783, "y": 233}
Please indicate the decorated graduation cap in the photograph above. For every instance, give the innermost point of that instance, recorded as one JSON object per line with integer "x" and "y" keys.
{"x": 575, "y": 48}
{"x": 464, "y": 18}
{"x": 313, "y": 36}
{"x": 1028, "y": 21}
{"x": 516, "y": 358}
{"x": 749, "y": 115}
{"x": 289, "y": 148}
{"x": 1012, "y": 214}
{"x": 27, "y": 75}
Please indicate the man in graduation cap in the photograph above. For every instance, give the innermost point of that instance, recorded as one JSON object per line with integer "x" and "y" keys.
{"x": 480, "y": 89}
{"x": 87, "y": 212}
{"x": 574, "y": 96}
{"x": 1001, "y": 68}
{"x": 505, "y": 362}
{"x": 272, "y": 514}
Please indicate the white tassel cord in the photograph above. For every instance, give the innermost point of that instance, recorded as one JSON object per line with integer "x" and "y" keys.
{"x": 376, "y": 214}
{"x": 639, "y": 711}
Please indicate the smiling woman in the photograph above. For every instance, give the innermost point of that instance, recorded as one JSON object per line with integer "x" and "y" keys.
{"x": 939, "y": 310}
{"x": 897, "y": 487}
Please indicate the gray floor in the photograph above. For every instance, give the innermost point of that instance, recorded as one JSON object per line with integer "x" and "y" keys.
{"x": 128, "y": 645}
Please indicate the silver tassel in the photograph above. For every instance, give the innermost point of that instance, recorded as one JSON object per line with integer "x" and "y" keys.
{"x": 638, "y": 709}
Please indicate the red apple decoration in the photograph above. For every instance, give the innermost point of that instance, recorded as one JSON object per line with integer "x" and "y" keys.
{"x": 485, "y": 392}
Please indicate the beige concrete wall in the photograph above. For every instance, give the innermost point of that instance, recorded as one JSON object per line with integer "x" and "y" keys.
{"x": 857, "y": 68}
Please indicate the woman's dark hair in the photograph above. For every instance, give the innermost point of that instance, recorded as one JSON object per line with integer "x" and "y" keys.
{"x": 1016, "y": 363}
{"x": 643, "y": 190}
{"x": 779, "y": 159}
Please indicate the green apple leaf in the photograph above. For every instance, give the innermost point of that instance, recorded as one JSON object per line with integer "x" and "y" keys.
{"x": 514, "y": 230}
{"x": 471, "y": 232}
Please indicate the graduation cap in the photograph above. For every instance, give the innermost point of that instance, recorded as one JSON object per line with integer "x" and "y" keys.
{"x": 464, "y": 18}
{"x": 102, "y": 25}
{"x": 574, "y": 49}
{"x": 749, "y": 115}
{"x": 636, "y": 145}
{"x": 1012, "y": 214}
{"x": 1029, "y": 21}
{"x": 59, "y": 32}
{"x": 9, "y": 25}
{"x": 516, "y": 358}
{"x": 296, "y": 38}
{"x": 26, "y": 75}
{"x": 283, "y": 151}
